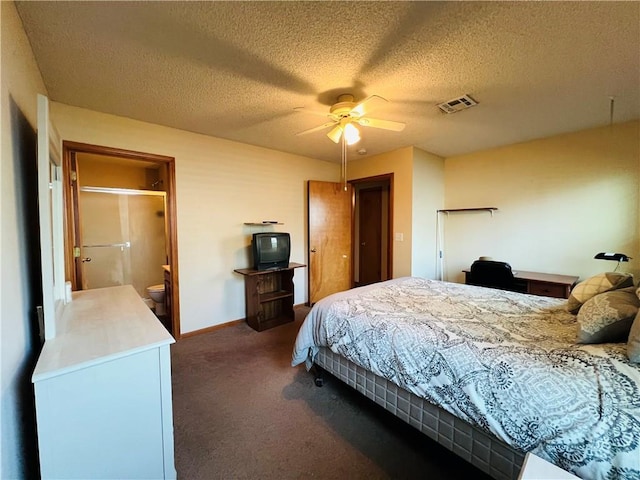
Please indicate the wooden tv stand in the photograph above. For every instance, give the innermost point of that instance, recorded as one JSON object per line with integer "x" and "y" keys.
{"x": 268, "y": 296}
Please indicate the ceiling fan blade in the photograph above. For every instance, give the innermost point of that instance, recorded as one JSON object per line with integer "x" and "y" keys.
{"x": 367, "y": 106}
{"x": 335, "y": 134}
{"x": 318, "y": 128}
{"x": 384, "y": 124}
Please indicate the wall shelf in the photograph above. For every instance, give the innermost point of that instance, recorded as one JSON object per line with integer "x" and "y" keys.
{"x": 475, "y": 209}
{"x": 262, "y": 224}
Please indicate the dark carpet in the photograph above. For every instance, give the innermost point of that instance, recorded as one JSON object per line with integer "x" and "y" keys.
{"x": 242, "y": 412}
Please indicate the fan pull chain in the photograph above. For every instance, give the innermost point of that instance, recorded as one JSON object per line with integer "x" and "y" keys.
{"x": 344, "y": 163}
{"x": 611, "y": 105}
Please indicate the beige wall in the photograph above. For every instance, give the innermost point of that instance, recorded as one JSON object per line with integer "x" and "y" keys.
{"x": 220, "y": 184}
{"x": 428, "y": 197}
{"x": 110, "y": 173}
{"x": 20, "y": 83}
{"x": 561, "y": 200}
{"x": 400, "y": 163}
{"x": 418, "y": 191}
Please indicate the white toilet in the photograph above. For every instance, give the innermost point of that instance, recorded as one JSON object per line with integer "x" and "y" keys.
{"x": 156, "y": 292}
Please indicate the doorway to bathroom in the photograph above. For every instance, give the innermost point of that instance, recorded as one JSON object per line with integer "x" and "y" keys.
{"x": 121, "y": 224}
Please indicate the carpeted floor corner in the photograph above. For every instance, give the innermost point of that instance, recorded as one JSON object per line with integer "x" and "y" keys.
{"x": 242, "y": 412}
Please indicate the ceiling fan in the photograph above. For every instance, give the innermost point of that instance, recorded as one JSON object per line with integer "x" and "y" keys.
{"x": 345, "y": 113}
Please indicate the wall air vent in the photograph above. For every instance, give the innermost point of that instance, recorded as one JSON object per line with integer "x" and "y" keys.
{"x": 457, "y": 104}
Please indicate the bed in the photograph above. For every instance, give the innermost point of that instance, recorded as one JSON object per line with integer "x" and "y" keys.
{"x": 490, "y": 374}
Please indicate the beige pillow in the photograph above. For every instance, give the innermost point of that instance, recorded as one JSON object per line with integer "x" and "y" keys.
{"x": 633, "y": 344}
{"x": 608, "y": 317}
{"x": 592, "y": 286}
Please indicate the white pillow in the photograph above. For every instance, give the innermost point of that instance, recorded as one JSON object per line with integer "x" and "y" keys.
{"x": 592, "y": 286}
{"x": 608, "y": 317}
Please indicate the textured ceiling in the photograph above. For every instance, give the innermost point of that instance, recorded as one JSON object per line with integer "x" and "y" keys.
{"x": 237, "y": 70}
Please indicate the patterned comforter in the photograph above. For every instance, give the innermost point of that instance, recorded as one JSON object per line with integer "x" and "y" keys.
{"x": 504, "y": 361}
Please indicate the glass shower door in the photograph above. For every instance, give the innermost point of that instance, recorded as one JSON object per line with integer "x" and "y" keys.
{"x": 105, "y": 253}
{"x": 123, "y": 238}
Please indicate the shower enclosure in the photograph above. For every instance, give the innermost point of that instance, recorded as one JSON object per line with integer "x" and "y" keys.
{"x": 123, "y": 237}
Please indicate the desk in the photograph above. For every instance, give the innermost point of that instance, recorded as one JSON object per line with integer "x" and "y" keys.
{"x": 545, "y": 284}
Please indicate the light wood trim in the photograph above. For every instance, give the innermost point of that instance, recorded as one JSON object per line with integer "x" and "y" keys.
{"x": 70, "y": 148}
{"x": 212, "y": 328}
{"x": 232, "y": 323}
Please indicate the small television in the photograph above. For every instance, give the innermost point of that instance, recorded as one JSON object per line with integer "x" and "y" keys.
{"x": 271, "y": 250}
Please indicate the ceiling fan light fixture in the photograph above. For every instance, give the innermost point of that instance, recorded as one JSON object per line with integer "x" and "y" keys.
{"x": 335, "y": 133}
{"x": 344, "y": 116}
{"x": 351, "y": 134}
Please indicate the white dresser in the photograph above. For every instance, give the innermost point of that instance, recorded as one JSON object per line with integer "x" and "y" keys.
{"x": 103, "y": 391}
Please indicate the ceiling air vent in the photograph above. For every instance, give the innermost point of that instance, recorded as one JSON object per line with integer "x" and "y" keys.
{"x": 457, "y": 104}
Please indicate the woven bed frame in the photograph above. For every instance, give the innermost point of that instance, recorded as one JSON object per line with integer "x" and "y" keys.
{"x": 479, "y": 448}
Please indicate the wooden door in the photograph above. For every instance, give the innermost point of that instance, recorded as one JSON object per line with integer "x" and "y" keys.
{"x": 74, "y": 233}
{"x": 330, "y": 238}
{"x": 370, "y": 235}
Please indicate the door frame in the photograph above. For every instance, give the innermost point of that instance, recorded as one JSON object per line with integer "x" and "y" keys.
{"x": 69, "y": 151}
{"x": 385, "y": 178}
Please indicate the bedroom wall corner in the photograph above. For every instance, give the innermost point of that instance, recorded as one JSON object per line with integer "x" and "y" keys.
{"x": 428, "y": 197}
{"x": 400, "y": 163}
{"x": 561, "y": 200}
